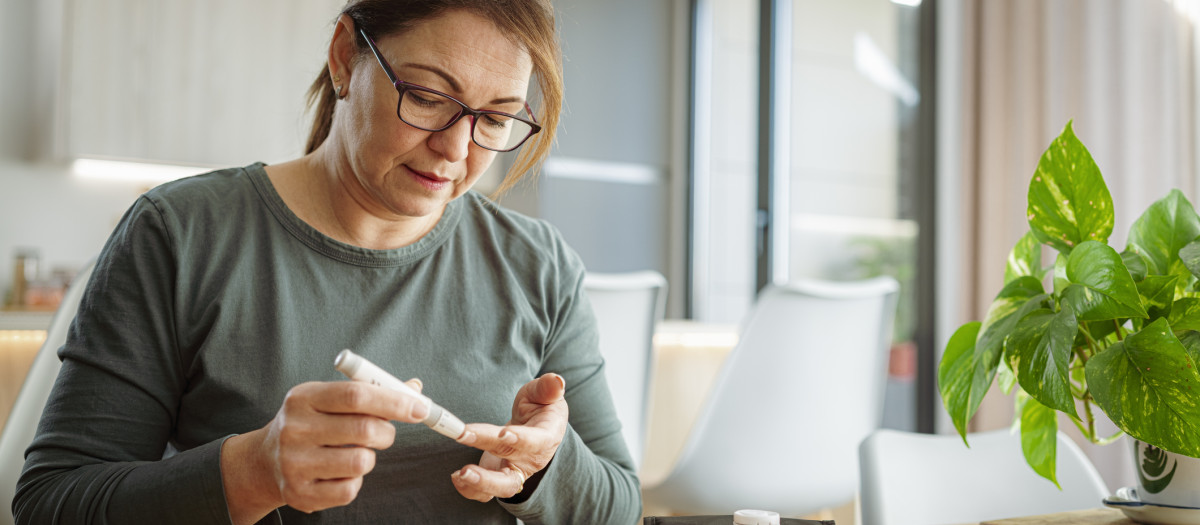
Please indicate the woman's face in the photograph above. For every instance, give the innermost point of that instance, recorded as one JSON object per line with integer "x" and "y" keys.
{"x": 397, "y": 170}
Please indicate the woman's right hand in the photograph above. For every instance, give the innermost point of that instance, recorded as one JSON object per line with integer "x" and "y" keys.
{"x": 314, "y": 453}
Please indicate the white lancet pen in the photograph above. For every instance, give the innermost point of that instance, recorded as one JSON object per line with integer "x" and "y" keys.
{"x": 358, "y": 368}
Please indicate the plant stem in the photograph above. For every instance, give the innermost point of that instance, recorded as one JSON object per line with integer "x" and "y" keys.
{"x": 1120, "y": 335}
{"x": 1110, "y": 439}
{"x": 1091, "y": 344}
{"x": 1082, "y": 429}
{"x": 1090, "y": 431}
{"x": 1091, "y": 421}
{"x": 1083, "y": 357}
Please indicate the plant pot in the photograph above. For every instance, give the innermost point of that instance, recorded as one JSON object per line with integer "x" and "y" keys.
{"x": 1166, "y": 478}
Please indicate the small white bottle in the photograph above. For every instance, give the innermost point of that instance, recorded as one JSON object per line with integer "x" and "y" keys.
{"x": 755, "y": 517}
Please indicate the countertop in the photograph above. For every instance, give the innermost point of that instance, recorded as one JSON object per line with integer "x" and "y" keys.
{"x": 25, "y": 319}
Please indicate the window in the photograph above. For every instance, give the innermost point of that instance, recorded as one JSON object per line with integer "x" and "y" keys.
{"x": 813, "y": 159}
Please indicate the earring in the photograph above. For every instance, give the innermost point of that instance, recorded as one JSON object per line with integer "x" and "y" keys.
{"x": 337, "y": 88}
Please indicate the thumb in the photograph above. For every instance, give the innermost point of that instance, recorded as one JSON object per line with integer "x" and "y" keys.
{"x": 547, "y": 389}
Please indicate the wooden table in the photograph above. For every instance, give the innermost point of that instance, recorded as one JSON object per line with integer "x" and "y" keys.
{"x": 1105, "y": 516}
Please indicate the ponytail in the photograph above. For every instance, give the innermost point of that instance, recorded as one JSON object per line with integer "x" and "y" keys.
{"x": 321, "y": 100}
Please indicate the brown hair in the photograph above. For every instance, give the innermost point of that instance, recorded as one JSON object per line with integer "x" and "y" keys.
{"x": 528, "y": 22}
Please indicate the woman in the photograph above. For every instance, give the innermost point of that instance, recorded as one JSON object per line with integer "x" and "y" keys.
{"x": 210, "y": 324}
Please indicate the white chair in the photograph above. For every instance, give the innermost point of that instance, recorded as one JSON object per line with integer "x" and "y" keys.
{"x": 804, "y": 385}
{"x": 923, "y": 479}
{"x": 27, "y": 409}
{"x": 627, "y": 306}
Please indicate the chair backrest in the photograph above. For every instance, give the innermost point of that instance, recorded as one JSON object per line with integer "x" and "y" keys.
{"x": 27, "y": 409}
{"x": 923, "y": 479}
{"x": 627, "y": 306}
{"x": 782, "y": 423}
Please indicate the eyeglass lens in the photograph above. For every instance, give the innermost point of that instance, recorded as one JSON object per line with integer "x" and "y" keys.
{"x": 432, "y": 111}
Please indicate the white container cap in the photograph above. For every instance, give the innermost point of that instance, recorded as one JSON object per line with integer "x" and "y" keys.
{"x": 755, "y": 517}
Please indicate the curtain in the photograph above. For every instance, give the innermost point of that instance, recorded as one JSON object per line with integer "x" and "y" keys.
{"x": 1124, "y": 71}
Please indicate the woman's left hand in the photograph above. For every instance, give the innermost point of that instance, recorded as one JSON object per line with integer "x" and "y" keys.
{"x": 518, "y": 451}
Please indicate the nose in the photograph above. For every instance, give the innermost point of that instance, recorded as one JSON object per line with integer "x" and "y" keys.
{"x": 455, "y": 141}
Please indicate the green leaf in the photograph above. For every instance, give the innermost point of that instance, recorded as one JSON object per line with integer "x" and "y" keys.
{"x": 1101, "y": 287}
{"x": 1014, "y": 301}
{"x": 1158, "y": 294}
{"x": 1078, "y": 376}
{"x": 1191, "y": 342}
{"x": 1190, "y": 255}
{"x": 1185, "y": 314}
{"x": 1039, "y": 438}
{"x": 1060, "y": 275}
{"x": 1025, "y": 259}
{"x": 1101, "y": 329}
{"x": 1068, "y": 200}
{"x": 1135, "y": 263}
{"x": 967, "y": 370}
{"x": 1163, "y": 230}
{"x": 1148, "y": 386}
{"x": 956, "y": 376}
{"x": 1005, "y": 375}
{"x": 1043, "y": 340}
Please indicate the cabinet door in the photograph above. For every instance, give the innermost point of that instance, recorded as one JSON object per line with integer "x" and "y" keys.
{"x": 208, "y": 82}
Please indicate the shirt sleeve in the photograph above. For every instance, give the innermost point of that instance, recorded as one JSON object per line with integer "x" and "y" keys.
{"x": 98, "y": 456}
{"x": 591, "y": 478}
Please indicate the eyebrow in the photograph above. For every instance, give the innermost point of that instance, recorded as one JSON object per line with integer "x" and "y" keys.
{"x": 454, "y": 85}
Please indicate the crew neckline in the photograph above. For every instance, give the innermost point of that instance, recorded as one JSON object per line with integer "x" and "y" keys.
{"x": 344, "y": 252}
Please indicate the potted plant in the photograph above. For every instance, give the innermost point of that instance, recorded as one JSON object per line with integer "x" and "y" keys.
{"x": 1100, "y": 329}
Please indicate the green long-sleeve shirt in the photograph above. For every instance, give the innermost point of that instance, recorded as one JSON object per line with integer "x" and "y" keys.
{"x": 212, "y": 299}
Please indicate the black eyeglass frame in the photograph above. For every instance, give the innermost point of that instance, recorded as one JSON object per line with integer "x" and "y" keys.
{"x": 402, "y": 87}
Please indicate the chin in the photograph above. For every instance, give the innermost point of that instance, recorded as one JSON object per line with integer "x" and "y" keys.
{"x": 423, "y": 206}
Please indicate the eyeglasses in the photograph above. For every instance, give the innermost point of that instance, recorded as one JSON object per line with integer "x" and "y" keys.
{"x": 431, "y": 110}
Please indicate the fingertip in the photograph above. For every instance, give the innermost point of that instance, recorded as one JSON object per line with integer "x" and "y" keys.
{"x": 550, "y": 387}
{"x": 508, "y": 437}
{"x": 416, "y": 384}
{"x": 419, "y": 411}
{"x": 470, "y": 476}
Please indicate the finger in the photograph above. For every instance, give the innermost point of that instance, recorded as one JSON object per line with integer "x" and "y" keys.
{"x": 416, "y": 384}
{"x": 528, "y": 446}
{"x": 480, "y": 484}
{"x": 321, "y": 495}
{"x": 354, "y": 429}
{"x": 491, "y": 438}
{"x": 356, "y": 397}
{"x": 346, "y": 462}
{"x": 545, "y": 390}
{"x": 327, "y": 463}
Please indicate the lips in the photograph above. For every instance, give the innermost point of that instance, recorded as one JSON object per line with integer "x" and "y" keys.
{"x": 428, "y": 175}
{"x": 431, "y": 181}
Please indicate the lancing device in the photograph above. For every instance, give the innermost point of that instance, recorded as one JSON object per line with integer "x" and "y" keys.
{"x": 359, "y": 369}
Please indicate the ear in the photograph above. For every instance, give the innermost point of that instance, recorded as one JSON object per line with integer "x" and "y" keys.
{"x": 342, "y": 49}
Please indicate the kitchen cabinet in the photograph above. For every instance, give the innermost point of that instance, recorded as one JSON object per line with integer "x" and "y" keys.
{"x": 18, "y": 347}
{"x": 197, "y": 82}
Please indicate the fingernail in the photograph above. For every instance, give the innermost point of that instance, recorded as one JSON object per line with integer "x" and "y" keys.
{"x": 419, "y": 411}
{"x": 508, "y": 437}
{"x": 471, "y": 476}
{"x": 467, "y": 438}
{"x": 420, "y": 385}
{"x": 562, "y": 382}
